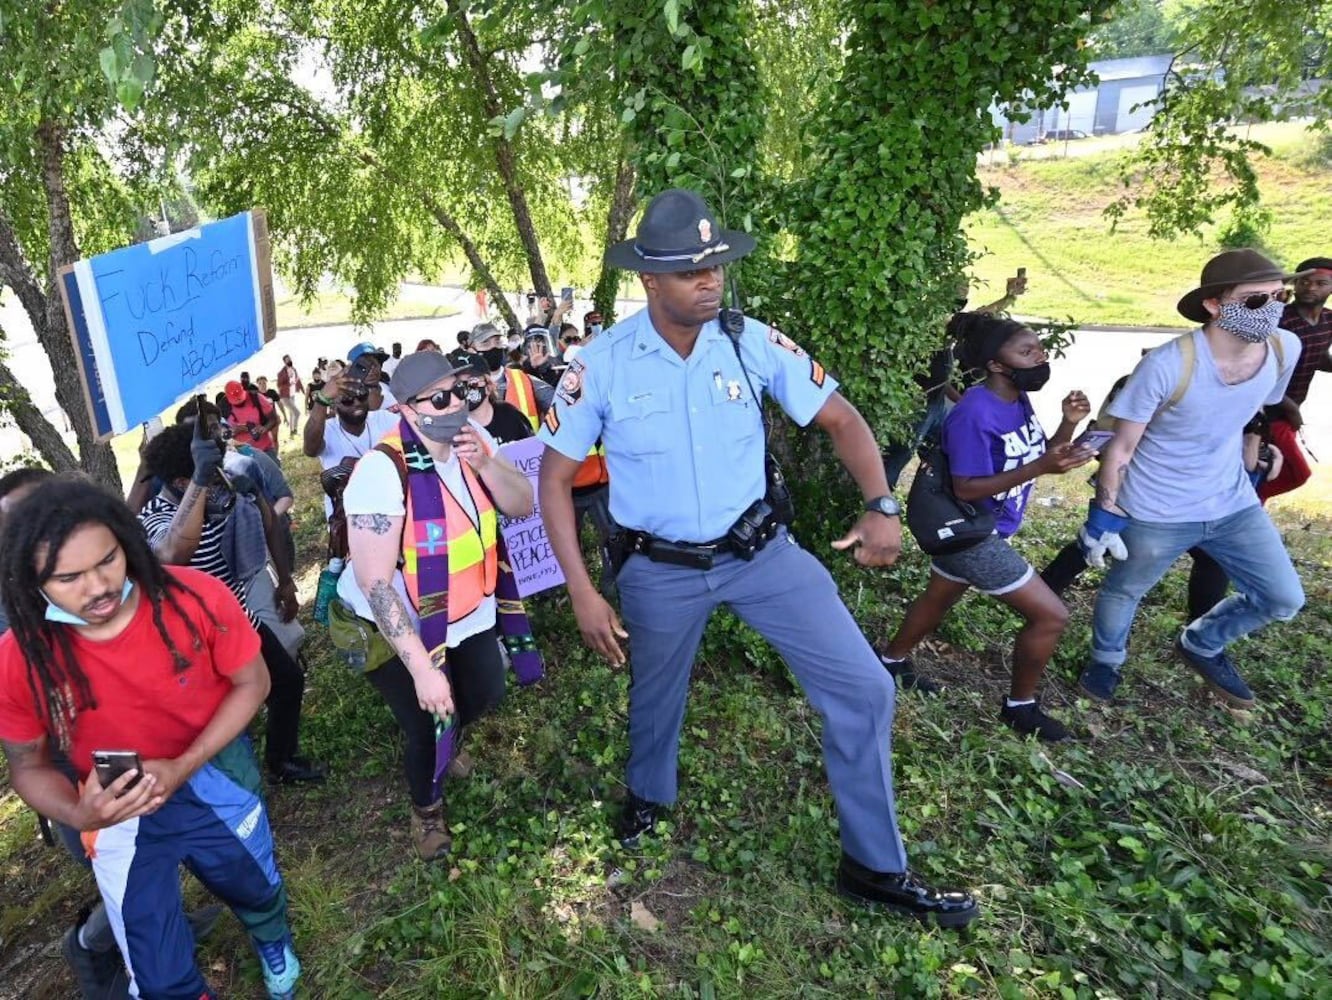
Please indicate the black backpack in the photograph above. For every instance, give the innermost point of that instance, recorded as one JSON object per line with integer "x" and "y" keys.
{"x": 940, "y": 522}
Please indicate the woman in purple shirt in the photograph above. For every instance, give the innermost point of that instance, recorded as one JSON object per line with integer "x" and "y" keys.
{"x": 996, "y": 448}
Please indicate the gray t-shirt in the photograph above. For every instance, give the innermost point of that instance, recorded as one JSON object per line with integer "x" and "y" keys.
{"x": 1189, "y": 465}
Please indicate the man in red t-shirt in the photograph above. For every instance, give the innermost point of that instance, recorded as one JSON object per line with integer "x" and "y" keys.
{"x": 253, "y": 418}
{"x": 110, "y": 650}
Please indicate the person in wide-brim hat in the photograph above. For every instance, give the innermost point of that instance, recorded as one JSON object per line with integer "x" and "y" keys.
{"x": 678, "y": 232}
{"x": 1226, "y": 270}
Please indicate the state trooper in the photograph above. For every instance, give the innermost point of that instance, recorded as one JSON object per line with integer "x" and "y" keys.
{"x": 677, "y": 404}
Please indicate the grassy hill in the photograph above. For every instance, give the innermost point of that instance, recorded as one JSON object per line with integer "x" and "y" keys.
{"x": 1051, "y": 221}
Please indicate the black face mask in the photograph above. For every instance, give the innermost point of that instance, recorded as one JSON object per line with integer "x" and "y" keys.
{"x": 494, "y": 358}
{"x": 1030, "y": 379}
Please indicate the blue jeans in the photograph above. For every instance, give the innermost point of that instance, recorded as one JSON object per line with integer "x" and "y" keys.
{"x": 1249, "y": 549}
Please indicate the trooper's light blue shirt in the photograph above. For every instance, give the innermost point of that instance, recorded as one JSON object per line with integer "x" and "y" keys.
{"x": 683, "y": 436}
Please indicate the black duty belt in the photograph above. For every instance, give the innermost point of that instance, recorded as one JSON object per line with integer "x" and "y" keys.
{"x": 747, "y": 536}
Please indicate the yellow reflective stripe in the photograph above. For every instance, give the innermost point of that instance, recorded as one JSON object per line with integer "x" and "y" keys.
{"x": 465, "y": 552}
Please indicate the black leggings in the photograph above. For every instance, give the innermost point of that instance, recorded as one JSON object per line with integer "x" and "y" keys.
{"x": 477, "y": 672}
{"x": 284, "y": 699}
{"x": 1207, "y": 580}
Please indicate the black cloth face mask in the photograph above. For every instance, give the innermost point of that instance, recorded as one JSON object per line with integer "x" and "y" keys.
{"x": 1030, "y": 379}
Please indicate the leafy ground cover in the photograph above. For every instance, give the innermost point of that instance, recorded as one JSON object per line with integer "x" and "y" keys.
{"x": 1051, "y": 220}
{"x": 1178, "y": 850}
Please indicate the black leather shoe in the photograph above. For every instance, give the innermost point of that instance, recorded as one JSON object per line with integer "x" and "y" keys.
{"x": 638, "y": 818}
{"x": 905, "y": 893}
{"x": 296, "y": 770}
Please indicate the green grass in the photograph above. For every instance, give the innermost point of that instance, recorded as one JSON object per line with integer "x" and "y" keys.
{"x": 335, "y": 309}
{"x": 1050, "y": 220}
{"x": 1193, "y": 862}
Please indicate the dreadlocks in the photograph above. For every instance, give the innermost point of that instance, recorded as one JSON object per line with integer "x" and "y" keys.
{"x": 41, "y": 524}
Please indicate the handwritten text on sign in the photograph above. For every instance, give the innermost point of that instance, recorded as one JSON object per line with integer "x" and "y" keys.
{"x": 534, "y": 566}
{"x": 164, "y": 317}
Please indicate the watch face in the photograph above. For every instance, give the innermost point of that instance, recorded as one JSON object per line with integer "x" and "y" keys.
{"x": 885, "y": 505}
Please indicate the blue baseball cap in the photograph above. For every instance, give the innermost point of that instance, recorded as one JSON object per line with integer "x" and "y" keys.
{"x": 364, "y": 348}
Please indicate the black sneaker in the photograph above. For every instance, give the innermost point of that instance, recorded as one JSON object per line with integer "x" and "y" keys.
{"x": 296, "y": 770}
{"x": 906, "y": 678}
{"x": 905, "y": 893}
{"x": 1029, "y": 720}
{"x": 100, "y": 974}
{"x": 638, "y": 818}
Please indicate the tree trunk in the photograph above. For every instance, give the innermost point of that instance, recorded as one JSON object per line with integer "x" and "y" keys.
{"x": 96, "y": 458}
{"x": 451, "y": 226}
{"x": 14, "y": 399}
{"x": 504, "y": 154}
{"x": 617, "y": 222}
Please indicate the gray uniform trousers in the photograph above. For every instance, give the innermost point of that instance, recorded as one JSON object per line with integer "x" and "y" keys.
{"x": 789, "y": 598}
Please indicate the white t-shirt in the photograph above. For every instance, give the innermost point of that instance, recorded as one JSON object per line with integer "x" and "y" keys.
{"x": 388, "y": 366}
{"x": 340, "y": 443}
{"x": 375, "y": 488}
{"x": 388, "y": 399}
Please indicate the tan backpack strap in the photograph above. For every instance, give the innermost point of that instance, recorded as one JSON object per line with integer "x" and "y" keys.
{"x": 1188, "y": 355}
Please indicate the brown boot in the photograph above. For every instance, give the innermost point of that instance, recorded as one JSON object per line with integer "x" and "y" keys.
{"x": 460, "y": 766}
{"x": 430, "y": 833}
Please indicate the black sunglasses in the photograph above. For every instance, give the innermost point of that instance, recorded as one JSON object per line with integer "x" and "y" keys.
{"x": 357, "y": 395}
{"x": 1260, "y": 299}
{"x": 439, "y": 399}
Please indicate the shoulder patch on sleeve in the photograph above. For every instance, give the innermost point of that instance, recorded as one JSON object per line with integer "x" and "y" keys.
{"x": 817, "y": 374}
{"x": 784, "y": 342}
{"x": 570, "y": 389}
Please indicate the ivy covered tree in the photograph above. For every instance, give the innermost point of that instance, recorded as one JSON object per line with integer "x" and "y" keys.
{"x": 877, "y": 223}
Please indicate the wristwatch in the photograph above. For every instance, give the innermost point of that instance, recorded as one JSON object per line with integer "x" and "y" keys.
{"x": 885, "y": 505}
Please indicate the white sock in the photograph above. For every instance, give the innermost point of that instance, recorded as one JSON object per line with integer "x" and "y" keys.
{"x": 1018, "y": 702}
{"x": 886, "y": 659}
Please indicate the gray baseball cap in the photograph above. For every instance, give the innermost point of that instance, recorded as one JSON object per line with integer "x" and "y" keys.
{"x": 419, "y": 371}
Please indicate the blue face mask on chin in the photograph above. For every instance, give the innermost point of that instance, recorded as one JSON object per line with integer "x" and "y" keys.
{"x": 63, "y": 617}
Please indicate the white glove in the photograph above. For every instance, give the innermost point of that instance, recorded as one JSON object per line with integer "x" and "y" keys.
{"x": 1094, "y": 550}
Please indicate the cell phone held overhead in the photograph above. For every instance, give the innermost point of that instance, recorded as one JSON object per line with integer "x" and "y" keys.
{"x": 111, "y": 764}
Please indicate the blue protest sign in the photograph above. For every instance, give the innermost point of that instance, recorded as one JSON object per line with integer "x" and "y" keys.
{"x": 160, "y": 319}
{"x": 83, "y": 354}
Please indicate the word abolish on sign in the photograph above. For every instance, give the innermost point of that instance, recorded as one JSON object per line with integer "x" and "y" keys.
{"x": 533, "y": 561}
{"x": 154, "y": 321}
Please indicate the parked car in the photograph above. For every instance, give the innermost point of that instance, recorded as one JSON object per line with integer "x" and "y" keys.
{"x": 1060, "y": 134}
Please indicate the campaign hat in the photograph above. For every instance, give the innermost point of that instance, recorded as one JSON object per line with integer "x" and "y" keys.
{"x": 678, "y": 232}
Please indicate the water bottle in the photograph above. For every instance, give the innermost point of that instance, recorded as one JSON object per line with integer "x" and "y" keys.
{"x": 328, "y": 589}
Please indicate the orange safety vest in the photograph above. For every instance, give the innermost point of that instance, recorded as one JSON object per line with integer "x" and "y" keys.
{"x": 519, "y": 392}
{"x": 473, "y": 551}
{"x": 593, "y": 471}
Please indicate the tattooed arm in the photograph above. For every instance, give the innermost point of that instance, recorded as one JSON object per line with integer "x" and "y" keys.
{"x": 178, "y": 543}
{"x": 375, "y": 544}
{"x": 42, "y": 786}
{"x": 1115, "y": 461}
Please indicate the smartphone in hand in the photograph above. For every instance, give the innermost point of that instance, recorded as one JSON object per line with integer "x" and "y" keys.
{"x": 566, "y": 293}
{"x": 1093, "y": 440}
{"x": 111, "y": 764}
